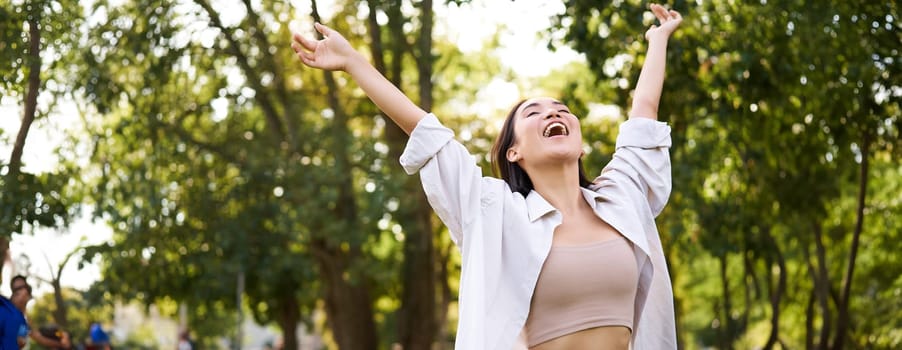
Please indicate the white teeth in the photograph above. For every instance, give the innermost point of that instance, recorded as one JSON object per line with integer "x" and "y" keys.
{"x": 556, "y": 126}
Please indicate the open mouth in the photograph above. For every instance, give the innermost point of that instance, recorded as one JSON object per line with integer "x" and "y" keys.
{"x": 556, "y": 129}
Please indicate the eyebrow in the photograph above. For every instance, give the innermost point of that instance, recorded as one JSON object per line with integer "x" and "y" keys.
{"x": 536, "y": 104}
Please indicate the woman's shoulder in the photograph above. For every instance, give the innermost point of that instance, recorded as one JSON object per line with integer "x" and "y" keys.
{"x": 495, "y": 190}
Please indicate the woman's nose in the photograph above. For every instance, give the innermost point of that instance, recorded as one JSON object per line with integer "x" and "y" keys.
{"x": 551, "y": 112}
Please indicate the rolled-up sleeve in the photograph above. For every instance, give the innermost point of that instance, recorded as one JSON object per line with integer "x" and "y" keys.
{"x": 450, "y": 176}
{"x": 427, "y": 138}
{"x": 642, "y": 159}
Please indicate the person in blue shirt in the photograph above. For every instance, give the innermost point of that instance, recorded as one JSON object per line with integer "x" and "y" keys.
{"x": 19, "y": 299}
{"x": 99, "y": 338}
{"x": 13, "y": 327}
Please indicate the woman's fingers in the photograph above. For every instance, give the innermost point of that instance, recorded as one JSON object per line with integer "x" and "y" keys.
{"x": 322, "y": 29}
{"x": 664, "y": 15}
{"x": 660, "y": 12}
{"x": 304, "y": 48}
{"x": 306, "y": 57}
{"x": 306, "y": 43}
{"x": 668, "y": 20}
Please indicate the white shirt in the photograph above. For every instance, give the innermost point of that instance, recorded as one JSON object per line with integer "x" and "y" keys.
{"x": 504, "y": 237}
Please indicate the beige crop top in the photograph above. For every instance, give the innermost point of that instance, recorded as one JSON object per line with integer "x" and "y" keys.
{"x": 582, "y": 287}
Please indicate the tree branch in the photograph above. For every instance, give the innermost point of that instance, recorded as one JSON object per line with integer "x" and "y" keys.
{"x": 31, "y": 96}
{"x": 262, "y": 94}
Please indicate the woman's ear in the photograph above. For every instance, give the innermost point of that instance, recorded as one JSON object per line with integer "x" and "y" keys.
{"x": 512, "y": 155}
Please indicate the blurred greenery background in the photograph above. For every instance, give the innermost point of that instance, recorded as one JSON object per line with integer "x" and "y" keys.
{"x": 240, "y": 186}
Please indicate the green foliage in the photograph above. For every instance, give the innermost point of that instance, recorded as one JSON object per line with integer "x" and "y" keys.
{"x": 213, "y": 155}
{"x": 82, "y": 311}
{"x": 12, "y": 46}
{"x": 198, "y": 194}
{"x": 192, "y": 197}
{"x": 770, "y": 106}
{"x": 34, "y": 199}
{"x": 55, "y": 19}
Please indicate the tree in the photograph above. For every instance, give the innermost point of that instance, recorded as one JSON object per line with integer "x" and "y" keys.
{"x": 418, "y": 320}
{"x": 84, "y": 310}
{"x": 60, "y": 312}
{"x": 34, "y": 39}
{"x": 770, "y": 131}
{"x": 223, "y": 211}
{"x": 274, "y": 189}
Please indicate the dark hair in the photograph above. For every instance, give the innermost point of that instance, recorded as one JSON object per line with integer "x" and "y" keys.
{"x": 12, "y": 281}
{"x": 512, "y": 173}
{"x": 25, "y": 287}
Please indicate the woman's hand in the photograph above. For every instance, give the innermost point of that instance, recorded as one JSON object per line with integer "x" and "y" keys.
{"x": 333, "y": 52}
{"x": 669, "y": 20}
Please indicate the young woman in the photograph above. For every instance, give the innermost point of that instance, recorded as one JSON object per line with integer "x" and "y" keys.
{"x": 550, "y": 259}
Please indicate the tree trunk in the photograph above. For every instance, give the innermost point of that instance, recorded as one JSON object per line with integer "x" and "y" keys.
{"x": 822, "y": 288}
{"x": 61, "y": 313}
{"x": 750, "y": 283}
{"x": 728, "y": 331}
{"x": 31, "y": 95}
{"x": 375, "y": 32}
{"x": 60, "y": 316}
{"x": 348, "y": 301}
{"x": 4, "y": 255}
{"x": 777, "y": 294}
{"x": 843, "y": 321}
{"x": 289, "y": 317}
{"x": 809, "y": 317}
{"x": 349, "y": 310}
{"x": 262, "y": 94}
{"x": 424, "y": 59}
{"x": 418, "y": 319}
{"x": 28, "y": 114}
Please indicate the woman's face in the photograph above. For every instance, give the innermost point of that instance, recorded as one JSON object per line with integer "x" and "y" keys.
{"x": 546, "y": 133}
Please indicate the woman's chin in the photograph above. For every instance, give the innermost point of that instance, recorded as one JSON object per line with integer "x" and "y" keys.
{"x": 563, "y": 156}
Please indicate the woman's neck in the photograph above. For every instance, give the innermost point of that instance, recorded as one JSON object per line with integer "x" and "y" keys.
{"x": 559, "y": 186}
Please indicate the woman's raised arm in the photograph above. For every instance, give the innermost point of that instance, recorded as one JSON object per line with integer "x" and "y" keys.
{"x": 651, "y": 78}
{"x": 334, "y": 52}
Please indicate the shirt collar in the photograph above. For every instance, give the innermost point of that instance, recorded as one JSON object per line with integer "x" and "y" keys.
{"x": 592, "y": 197}
{"x": 539, "y": 207}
